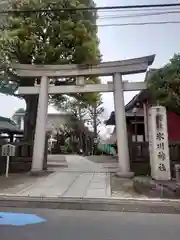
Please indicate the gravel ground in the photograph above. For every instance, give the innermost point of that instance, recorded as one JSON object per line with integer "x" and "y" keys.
{"x": 122, "y": 187}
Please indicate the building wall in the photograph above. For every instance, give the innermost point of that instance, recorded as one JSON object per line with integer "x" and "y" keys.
{"x": 53, "y": 121}
{"x": 173, "y": 120}
{"x": 173, "y": 126}
{"x": 56, "y": 120}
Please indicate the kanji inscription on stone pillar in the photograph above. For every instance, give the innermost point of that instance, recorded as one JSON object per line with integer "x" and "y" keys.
{"x": 158, "y": 144}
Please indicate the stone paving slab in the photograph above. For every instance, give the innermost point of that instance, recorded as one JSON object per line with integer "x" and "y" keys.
{"x": 87, "y": 164}
{"x": 54, "y": 186}
{"x": 97, "y": 187}
{"x": 79, "y": 186}
{"x": 96, "y": 193}
{"x": 83, "y": 178}
{"x": 16, "y": 183}
{"x": 66, "y": 184}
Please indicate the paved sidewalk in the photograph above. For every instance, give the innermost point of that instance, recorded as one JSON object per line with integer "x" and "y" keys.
{"x": 75, "y": 163}
{"x": 70, "y": 184}
{"x": 82, "y": 178}
{"x": 60, "y": 184}
{"x": 67, "y": 184}
{"x": 84, "y": 183}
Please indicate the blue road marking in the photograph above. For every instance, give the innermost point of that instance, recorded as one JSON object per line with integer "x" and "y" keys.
{"x": 19, "y": 219}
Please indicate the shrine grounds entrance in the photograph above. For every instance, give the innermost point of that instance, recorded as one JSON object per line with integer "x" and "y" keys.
{"x": 77, "y": 141}
{"x": 83, "y": 141}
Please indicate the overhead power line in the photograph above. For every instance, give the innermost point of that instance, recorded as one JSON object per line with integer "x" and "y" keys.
{"x": 138, "y": 24}
{"x": 93, "y": 9}
{"x": 137, "y": 15}
{"x": 141, "y": 9}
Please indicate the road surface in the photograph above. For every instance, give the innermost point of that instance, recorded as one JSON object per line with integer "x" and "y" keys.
{"x": 85, "y": 225}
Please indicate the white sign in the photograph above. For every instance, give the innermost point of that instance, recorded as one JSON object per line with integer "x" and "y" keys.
{"x": 158, "y": 144}
{"x": 8, "y": 150}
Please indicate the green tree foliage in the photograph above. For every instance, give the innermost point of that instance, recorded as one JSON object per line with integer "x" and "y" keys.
{"x": 95, "y": 112}
{"x": 164, "y": 84}
{"x": 77, "y": 108}
{"x": 87, "y": 113}
{"x": 54, "y": 37}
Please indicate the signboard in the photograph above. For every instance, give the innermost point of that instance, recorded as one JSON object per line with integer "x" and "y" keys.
{"x": 158, "y": 144}
{"x": 8, "y": 150}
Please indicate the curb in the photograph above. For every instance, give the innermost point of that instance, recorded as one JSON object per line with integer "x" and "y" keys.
{"x": 120, "y": 205}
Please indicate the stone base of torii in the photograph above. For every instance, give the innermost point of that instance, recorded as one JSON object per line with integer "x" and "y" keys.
{"x": 115, "y": 69}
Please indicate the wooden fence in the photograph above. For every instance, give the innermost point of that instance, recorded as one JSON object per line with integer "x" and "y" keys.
{"x": 22, "y": 160}
{"x": 140, "y": 159}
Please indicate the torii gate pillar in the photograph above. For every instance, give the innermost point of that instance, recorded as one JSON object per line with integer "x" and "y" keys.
{"x": 121, "y": 128}
{"x": 41, "y": 124}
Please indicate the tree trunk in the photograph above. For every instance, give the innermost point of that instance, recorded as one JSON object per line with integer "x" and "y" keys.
{"x": 29, "y": 124}
{"x": 95, "y": 120}
{"x": 30, "y": 117}
{"x": 31, "y": 110}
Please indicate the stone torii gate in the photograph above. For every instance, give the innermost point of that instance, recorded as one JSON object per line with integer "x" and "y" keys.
{"x": 115, "y": 69}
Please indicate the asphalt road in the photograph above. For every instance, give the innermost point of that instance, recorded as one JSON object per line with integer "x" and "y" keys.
{"x": 85, "y": 225}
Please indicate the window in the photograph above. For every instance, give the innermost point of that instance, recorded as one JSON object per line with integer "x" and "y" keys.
{"x": 138, "y": 128}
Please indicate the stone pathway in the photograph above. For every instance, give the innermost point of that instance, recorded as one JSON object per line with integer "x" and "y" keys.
{"x": 81, "y": 178}
{"x": 65, "y": 184}
{"x": 82, "y": 164}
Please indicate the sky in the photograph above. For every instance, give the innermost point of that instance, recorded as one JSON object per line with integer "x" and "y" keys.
{"x": 118, "y": 43}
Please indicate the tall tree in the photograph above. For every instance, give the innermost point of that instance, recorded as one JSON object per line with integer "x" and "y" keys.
{"x": 53, "y": 37}
{"x": 74, "y": 106}
{"x": 164, "y": 84}
{"x": 95, "y": 112}
{"x": 87, "y": 113}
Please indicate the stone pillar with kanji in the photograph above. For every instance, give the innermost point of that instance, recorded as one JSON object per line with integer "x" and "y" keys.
{"x": 158, "y": 143}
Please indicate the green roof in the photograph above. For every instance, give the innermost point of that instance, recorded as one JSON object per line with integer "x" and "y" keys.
{"x": 8, "y": 126}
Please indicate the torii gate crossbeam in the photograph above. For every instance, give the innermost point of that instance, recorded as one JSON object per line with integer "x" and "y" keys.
{"x": 115, "y": 69}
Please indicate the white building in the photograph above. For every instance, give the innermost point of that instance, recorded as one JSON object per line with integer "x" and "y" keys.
{"x": 55, "y": 120}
